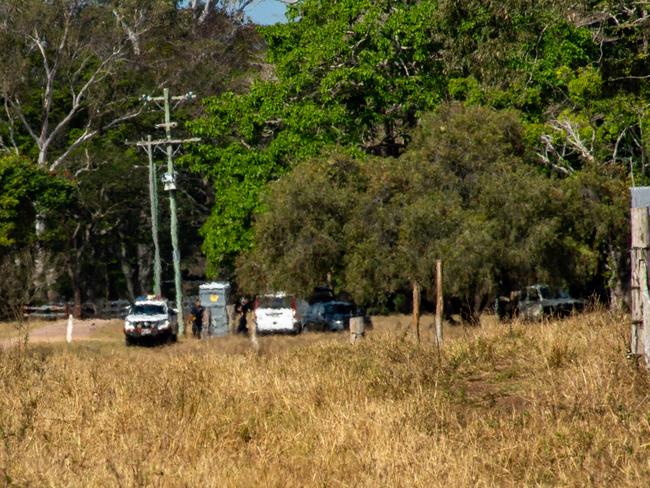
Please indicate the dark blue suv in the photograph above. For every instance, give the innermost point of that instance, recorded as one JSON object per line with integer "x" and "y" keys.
{"x": 330, "y": 316}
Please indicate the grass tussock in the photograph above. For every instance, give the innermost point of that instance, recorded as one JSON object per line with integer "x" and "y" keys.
{"x": 555, "y": 404}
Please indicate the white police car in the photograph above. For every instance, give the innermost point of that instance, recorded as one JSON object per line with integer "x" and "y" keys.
{"x": 150, "y": 318}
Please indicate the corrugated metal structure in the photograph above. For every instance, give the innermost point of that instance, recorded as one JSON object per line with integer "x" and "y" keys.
{"x": 214, "y": 297}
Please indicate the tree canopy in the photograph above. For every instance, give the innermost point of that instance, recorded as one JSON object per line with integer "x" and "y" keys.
{"x": 464, "y": 192}
{"x": 360, "y": 139}
{"x": 72, "y": 74}
{"x": 359, "y": 75}
{"x": 25, "y": 190}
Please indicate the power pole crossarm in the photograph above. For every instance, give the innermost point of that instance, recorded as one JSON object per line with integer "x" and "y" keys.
{"x": 159, "y": 142}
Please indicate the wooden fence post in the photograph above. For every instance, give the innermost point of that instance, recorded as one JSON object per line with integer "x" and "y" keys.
{"x": 416, "y": 309}
{"x": 253, "y": 335}
{"x": 639, "y": 263}
{"x": 439, "y": 302}
{"x": 68, "y": 331}
{"x": 357, "y": 329}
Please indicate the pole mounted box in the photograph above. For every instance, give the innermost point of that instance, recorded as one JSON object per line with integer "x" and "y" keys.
{"x": 169, "y": 181}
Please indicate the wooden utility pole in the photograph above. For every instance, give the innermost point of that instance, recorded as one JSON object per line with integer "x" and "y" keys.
{"x": 153, "y": 198}
{"x": 171, "y": 187}
{"x": 640, "y": 226}
{"x": 169, "y": 181}
{"x": 439, "y": 302}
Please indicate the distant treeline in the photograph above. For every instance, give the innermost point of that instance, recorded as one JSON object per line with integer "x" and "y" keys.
{"x": 361, "y": 140}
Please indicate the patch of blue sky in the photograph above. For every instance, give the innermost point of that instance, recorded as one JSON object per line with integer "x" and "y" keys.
{"x": 266, "y": 12}
{"x": 262, "y": 12}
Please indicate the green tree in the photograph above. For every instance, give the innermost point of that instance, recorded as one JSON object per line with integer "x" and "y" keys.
{"x": 346, "y": 73}
{"x": 508, "y": 54}
{"x": 301, "y": 239}
{"x": 71, "y": 77}
{"x": 359, "y": 74}
{"x": 466, "y": 192}
{"x": 25, "y": 190}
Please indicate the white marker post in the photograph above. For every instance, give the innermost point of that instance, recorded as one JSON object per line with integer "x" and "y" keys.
{"x": 68, "y": 332}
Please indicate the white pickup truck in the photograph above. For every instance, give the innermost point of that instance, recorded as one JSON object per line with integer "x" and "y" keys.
{"x": 150, "y": 318}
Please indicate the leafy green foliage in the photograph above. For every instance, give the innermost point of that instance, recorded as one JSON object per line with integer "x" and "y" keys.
{"x": 26, "y": 190}
{"x": 360, "y": 73}
{"x": 349, "y": 73}
{"x": 508, "y": 54}
{"x": 322, "y": 137}
{"x": 122, "y": 49}
{"x": 302, "y": 238}
{"x": 465, "y": 192}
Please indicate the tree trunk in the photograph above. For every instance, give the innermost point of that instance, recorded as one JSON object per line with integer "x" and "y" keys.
{"x": 107, "y": 288}
{"x": 127, "y": 271}
{"x": 42, "y": 278}
{"x": 619, "y": 291}
{"x": 77, "y": 301}
{"x": 145, "y": 285}
{"x": 73, "y": 274}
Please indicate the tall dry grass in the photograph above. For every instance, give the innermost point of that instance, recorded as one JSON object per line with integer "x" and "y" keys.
{"x": 554, "y": 404}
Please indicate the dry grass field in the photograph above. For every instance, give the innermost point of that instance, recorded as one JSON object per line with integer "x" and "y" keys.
{"x": 552, "y": 404}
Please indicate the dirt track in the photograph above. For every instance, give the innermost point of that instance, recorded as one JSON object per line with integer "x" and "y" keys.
{"x": 83, "y": 330}
{"x": 110, "y": 332}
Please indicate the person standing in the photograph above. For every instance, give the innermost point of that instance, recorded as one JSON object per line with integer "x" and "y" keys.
{"x": 197, "y": 318}
{"x": 242, "y": 308}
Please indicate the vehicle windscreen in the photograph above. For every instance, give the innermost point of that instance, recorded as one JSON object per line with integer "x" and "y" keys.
{"x": 275, "y": 302}
{"x": 550, "y": 293}
{"x": 338, "y": 309}
{"x": 148, "y": 309}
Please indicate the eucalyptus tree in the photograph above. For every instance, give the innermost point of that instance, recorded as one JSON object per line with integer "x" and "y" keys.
{"x": 71, "y": 76}
{"x": 60, "y": 66}
{"x": 203, "y": 9}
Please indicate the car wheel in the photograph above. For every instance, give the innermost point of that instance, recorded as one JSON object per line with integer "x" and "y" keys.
{"x": 129, "y": 341}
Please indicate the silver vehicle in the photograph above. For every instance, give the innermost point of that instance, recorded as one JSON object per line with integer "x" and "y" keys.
{"x": 538, "y": 301}
{"x": 277, "y": 313}
{"x": 150, "y": 319}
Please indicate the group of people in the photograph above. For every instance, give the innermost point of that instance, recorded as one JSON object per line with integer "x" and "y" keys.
{"x": 199, "y": 316}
